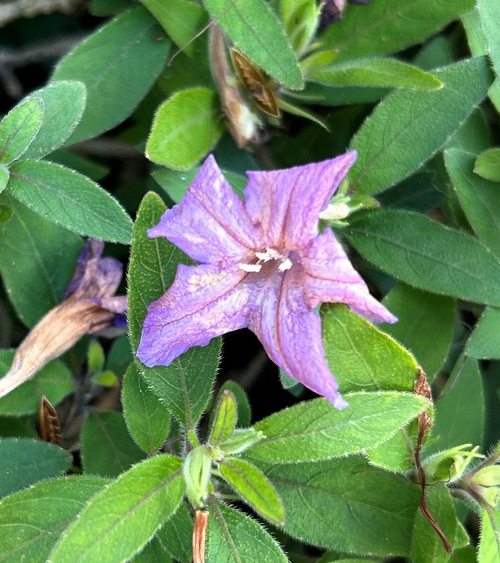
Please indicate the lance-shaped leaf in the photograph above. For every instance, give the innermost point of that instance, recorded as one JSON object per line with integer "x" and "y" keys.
{"x": 225, "y": 419}
{"x": 257, "y": 32}
{"x": 428, "y": 255}
{"x": 18, "y": 129}
{"x": 253, "y": 487}
{"x": 122, "y": 518}
{"x": 487, "y": 165}
{"x": 312, "y": 431}
{"x": 70, "y": 199}
{"x": 407, "y": 128}
{"x": 28, "y": 536}
{"x": 184, "y": 386}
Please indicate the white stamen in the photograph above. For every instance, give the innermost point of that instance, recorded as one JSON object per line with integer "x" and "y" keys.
{"x": 285, "y": 265}
{"x": 269, "y": 254}
{"x": 335, "y": 212}
{"x": 250, "y": 267}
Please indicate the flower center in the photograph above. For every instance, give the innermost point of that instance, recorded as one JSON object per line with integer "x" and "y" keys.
{"x": 270, "y": 254}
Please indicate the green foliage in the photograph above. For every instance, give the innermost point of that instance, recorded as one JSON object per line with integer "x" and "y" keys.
{"x": 484, "y": 342}
{"x": 18, "y": 129}
{"x": 487, "y": 165}
{"x": 489, "y": 547}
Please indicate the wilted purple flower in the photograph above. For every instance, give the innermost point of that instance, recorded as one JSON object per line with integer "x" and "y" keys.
{"x": 263, "y": 265}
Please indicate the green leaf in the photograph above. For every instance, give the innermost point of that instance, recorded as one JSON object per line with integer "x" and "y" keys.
{"x": 176, "y": 535}
{"x": 224, "y": 422}
{"x": 346, "y": 505}
{"x": 64, "y": 102}
{"x": 147, "y": 419}
{"x": 31, "y": 521}
{"x": 257, "y": 32}
{"x": 478, "y": 198}
{"x": 95, "y": 357}
{"x": 459, "y": 410}
{"x": 243, "y": 404}
{"x": 489, "y": 545}
{"x": 428, "y": 255}
{"x": 107, "y": 448}
{"x": 363, "y": 357}
{"x": 4, "y": 177}
{"x": 130, "y": 50}
{"x": 425, "y": 326}
{"x": 389, "y": 26}
{"x": 54, "y": 381}
{"x": 426, "y": 544}
{"x": 185, "y": 385}
{"x": 153, "y": 552}
{"x": 18, "y": 129}
{"x": 397, "y": 454}
{"x": 314, "y": 430}
{"x": 185, "y": 128}
{"x": 123, "y": 517}
{"x": 484, "y": 342}
{"x": 407, "y": 128}
{"x": 35, "y": 269}
{"x": 254, "y": 488}
{"x": 487, "y": 165}
{"x": 25, "y": 461}
{"x": 473, "y": 135}
{"x": 70, "y": 200}
{"x": 489, "y": 15}
{"x": 235, "y": 537}
{"x": 377, "y": 72}
{"x": 181, "y": 19}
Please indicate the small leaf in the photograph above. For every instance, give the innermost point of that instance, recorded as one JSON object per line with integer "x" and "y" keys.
{"x": 185, "y": 128}
{"x": 256, "y": 31}
{"x": 70, "y": 199}
{"x": 243, "y": 404}
{"x": 377, "y": 72}
{"x": 95, "y": 357}
{"x": 489, "y": 545}
{"x": 123, "y": 517}
{"x": 225, "y": 419}
{"x": 254, "y": 488}
{"x": 487, "y": 165}
{"x": 301, "y": 112}
{"x": 314, "y": 430}
{"x": 18, "y": 129}
{"x": 484, "y": 342}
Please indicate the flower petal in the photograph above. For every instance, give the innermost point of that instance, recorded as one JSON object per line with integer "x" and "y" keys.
{"x": 287, "y": 203}
{"x": 203, "y": 302}
{"x": 211, "y": 224}
{"x": 290, "y": 332}
{"x": 330, "y": 278}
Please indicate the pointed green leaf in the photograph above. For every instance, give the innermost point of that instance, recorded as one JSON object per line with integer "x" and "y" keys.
{"x": 487, "y": 165}
{"x": 148, "y": 421}
{"x": 484, "y": 342}
{"x": 130, "y": 50}
{"x": 489, "y": 544}
{"x": 185, "y": 128}
{"x": 314, "y": 430}
{"x": 428, "y": 255}
{"x": 70, "y": 199}
{"x": 18, "y": 129}
{"x": 32, "y": 520}
{"x": 242, "y": 403}
{"x": 254, "y": 488}
{"x": 235, "y": 537}
{"x": 407, "y": 128}
{"x": 225, "y": 419}
{"x": 185, "y": 385}
{"x": 389, "y": 73}
{"x": 64, "y": 102}
{"x": 123, "y": 517}
{"x": 26, "y": 461}
{"x": 257, "y": 32}
{"x": 176, "y": 535}
{"x": 301, "y": 112}
{"x": 489, "y": 15}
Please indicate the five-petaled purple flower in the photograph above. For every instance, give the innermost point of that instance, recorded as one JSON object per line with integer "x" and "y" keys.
{"x": 262, "y": 265}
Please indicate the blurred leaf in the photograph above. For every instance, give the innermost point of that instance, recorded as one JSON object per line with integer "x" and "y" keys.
{"x": 90, "y": 168}
{"x": 426, "y": 544}
{"x": 31, "y": 521}
{"x": 54, "y": 381}
{"x": 473, "y": 135}
{"x": 436, "y": 52}
{"x": 124, "y": 516}
{"x": 103, "y": 8}
{"x": 185, "y": 385}
{"x": 407, "y": 128}
{"x": 35, "y": 269}
{"x": 301, "y": 112}
{"x": 4, "y": 177}
{"x": 64, "y": 102}
{"x": 428, "y": 255}
{"x": 18, "y": 129}
{"x": 24, "y": 462}
{"x": 346, "y": 505}
{"x": 153, "y": 552}
{"x": 107, "y": 448}
{"x": 425, "y": 326}
{"x": 147, "y": 419}
{"x": 95, "y": 357}
{"x": 489, "y": 15}
{"x": 314, "y": 430}
{"x": 70, "y": 200}
{"x": 475, "y": 35}
{"x": 234, "y": 536}
{"x": 489, "y": 544}
{"x": 185, "y": 128}
{"x": 254, "y": 488}
{"x": 377, "y": 72}
{"x": 130, "y": 50}
{"x": 176, "y": 535}
{"x": 484, "y": 342}
{"x": 257, "y": 32}
{"x": 389, "y": 26}
{"x": 487, "y": 165}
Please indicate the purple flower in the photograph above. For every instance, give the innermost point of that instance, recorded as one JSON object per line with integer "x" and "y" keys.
{"x": 263, "y": 265}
